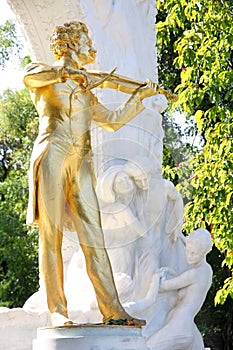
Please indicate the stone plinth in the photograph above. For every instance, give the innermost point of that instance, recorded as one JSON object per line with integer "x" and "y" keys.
{"x": 89, "y": 337}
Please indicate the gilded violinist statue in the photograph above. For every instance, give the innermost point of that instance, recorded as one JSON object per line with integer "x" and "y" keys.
{"x": 61, "y": 175}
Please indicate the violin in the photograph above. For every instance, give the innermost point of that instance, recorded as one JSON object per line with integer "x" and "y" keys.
{"x": 122, "y": 83}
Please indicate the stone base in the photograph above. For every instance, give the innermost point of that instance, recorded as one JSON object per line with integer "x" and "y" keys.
{"x": 89, "y": 337}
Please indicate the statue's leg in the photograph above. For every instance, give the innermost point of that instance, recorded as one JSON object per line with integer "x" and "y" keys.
{"x": 86, "y": 216}
{"x": 51, "y": 211}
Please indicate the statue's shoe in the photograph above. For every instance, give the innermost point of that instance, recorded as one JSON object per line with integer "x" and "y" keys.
{"x": 59, "y": 320}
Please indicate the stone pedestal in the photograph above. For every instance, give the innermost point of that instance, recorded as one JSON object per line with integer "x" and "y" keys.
{"x": 89, "y": 337}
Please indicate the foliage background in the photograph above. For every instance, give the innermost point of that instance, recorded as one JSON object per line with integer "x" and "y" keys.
{"x": 196, "y": 60}
{"x": 18, "y": 244}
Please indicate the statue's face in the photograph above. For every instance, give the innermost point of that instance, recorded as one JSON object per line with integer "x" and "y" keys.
{"x": 123, "y": 184}
{"x": 141, "y": 181}
{"x": 85, "y": 51}
{"x": 193, "y": 251}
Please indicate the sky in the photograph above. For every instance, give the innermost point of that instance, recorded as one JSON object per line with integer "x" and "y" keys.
{"x": 11, "y": 76}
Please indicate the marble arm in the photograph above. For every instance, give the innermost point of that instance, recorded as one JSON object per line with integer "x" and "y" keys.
{"x": 132, "y": 222}
{"x": 150, "y": 298}
{"x": 183, "y": 280}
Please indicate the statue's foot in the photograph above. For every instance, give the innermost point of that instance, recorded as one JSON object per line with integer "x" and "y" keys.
{"x": 59, "y": 320}
{"x": 129, "y": 321}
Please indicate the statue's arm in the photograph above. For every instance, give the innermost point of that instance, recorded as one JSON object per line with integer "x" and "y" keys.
{"x": 114, "y": 120}
{"x": 129, "y": 219}
{"x": 39, "y": 74}
{"x": 183, "y": 280}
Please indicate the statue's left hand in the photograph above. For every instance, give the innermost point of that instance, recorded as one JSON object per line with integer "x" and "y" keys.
{"x": 148, "y": 90}
{"x": 79, "y": 76}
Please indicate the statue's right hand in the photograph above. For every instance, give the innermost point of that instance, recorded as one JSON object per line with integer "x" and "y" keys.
{"x": 148, "y": 90}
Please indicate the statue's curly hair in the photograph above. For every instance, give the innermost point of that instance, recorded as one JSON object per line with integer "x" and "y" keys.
{"x": 203, "y": 238}
{"x": 65, "y": 37}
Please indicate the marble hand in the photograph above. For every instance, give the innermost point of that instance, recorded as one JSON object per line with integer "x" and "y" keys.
{"x": 163, "y": 272}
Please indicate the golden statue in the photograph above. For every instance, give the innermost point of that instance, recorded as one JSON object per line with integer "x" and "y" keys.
{"x": 61, "y": 176}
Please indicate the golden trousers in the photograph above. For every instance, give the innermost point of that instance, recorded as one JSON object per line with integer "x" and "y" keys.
{"x": 65, "y": 183}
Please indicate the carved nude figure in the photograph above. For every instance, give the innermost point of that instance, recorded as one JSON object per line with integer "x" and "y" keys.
{"x": 179, "y": 331}
{"x": 61, "y": 175}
